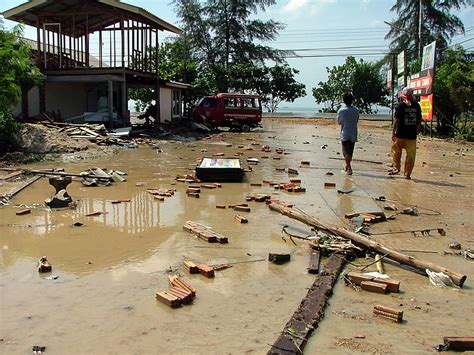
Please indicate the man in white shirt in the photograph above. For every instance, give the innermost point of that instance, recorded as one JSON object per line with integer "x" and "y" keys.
{"x": 348, "y": 117}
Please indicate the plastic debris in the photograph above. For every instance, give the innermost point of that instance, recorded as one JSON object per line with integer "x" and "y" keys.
{"x": 439, "y": 279}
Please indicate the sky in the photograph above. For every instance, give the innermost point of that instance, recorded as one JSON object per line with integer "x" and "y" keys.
{"x": 314, "y": 28}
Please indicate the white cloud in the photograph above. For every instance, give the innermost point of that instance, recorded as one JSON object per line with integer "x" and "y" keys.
{"x": 294, "y": 6}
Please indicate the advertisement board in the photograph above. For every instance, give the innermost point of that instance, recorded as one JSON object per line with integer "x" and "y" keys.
{"x": 401, "y": 63}
{"x": 428, "y": 58}
{"x": 426, "y": 103}
{"x": 389, "y": 79}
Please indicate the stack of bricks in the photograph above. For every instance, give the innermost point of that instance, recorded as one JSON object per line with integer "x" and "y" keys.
{"x": 179, "y": 293}
{"x": 392, "y": 314}
{"x": 193, "y": 191}
{"x": 372, "y": 284}
{"x": 204, "y": 233}
{"x": 258, "y": 198}
{"x": 161, "y": 194}
{"x": 240, "y": 207}
{"x": 290, "y": 187}
{"x": 202, "y": 269}
{"x": 187, "y": 179}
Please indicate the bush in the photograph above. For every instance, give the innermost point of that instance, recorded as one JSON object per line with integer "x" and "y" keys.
{"x": 9, "y": 129}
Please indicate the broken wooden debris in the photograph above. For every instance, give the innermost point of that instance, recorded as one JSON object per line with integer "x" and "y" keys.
{"x": 220, "y": 267}
{"x": 457, "y": 344}
{"x": 204, "y": 233}
{"x": 93, "y": 214}
{"x": 329, "y": 185}
{"x": 44, "y": 265}
{"x": 314, "y": 259}
{"x": 292, "y": 171}
{"x": 365, "y": 242}
{"x": 23, "y": 212}
{"x": 12, "y": 175}
{"x": 241, "y": 219}
{"x": 392, "y": 314}
{"x": 311, "y": 310}
{"x": 279, "y": 258}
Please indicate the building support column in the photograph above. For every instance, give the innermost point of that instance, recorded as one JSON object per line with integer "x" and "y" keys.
{"x": 158, "y": 103}
{"x": 110, "y": 103}
{"x": 125, "y": 115}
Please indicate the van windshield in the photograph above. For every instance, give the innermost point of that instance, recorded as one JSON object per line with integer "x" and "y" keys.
{"x": 207, "y": 102}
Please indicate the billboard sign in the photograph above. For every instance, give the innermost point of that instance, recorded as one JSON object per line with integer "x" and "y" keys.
{"x": 428, "y": 58}
{"x": 422, "y": 83}
{"x": 426, "y": 103}
{"x": 401, "y": 63}
{"x": 389, "y": 79}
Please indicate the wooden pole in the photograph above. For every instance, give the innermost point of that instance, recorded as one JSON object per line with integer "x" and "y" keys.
{"x": 362, "y": 241}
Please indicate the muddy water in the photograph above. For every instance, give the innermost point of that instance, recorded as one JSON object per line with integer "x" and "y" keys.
{"x": 109, "y": 269}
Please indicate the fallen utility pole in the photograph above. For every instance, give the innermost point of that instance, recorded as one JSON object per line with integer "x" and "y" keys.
{"x": 63, "y": 174}
{"x": 8, "y": 196}
{"x": 311, "y": 310}
{"x": 363, "y": 241}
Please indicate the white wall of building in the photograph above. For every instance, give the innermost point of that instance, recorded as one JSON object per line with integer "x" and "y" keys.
{"x": 165, "y": 104}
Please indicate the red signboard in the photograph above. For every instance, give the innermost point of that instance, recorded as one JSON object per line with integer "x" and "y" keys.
{"x": 422, "y": 84}
{"x": 426, "y": 103}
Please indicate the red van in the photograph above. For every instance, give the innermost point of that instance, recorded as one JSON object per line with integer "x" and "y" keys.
{"x": 240, "y": 111}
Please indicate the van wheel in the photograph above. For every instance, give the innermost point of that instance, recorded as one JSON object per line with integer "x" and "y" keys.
{"x": 245, "y": 128}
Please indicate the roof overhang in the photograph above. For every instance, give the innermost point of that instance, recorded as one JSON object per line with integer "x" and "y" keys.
{"x": 29, "y": 12}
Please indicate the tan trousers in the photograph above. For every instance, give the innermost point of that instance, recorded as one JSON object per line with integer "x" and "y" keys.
{"x": 410, "y": 147}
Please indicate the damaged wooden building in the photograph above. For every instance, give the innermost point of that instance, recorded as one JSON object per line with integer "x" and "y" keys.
{"x": 91, "y": 53}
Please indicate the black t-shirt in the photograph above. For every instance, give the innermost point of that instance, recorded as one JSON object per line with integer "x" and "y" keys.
{"x": 409, "y": 117}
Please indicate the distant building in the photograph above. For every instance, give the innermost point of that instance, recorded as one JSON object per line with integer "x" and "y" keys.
{"x": 93, "y": 50}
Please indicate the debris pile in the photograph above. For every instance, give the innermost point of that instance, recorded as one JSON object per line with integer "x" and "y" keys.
{"x": 204, "y": 233}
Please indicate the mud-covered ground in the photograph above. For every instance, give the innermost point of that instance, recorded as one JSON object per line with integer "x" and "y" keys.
{"x": 103, "y": 301}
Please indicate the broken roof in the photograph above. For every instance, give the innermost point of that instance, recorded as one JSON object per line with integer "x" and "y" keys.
{"x": 101, "y": 13}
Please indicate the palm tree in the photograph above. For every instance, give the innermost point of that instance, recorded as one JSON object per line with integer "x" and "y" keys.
{"x": 437, "y": 24}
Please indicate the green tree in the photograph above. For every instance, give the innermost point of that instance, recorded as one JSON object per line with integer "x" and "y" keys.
{"x": 454, "y": 89}
{"x": 282, "y": 87}
{"x": 16, "y": 71}
{"x": 225, "y": 33}
{"x": 361, "y": 78}
{"x": 438, "y": 24}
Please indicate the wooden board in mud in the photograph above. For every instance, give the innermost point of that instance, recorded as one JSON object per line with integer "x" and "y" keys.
{"x": 311, "y": 310}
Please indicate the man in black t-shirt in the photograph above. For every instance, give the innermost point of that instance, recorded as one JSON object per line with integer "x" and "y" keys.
{"x": 405, "y": 129}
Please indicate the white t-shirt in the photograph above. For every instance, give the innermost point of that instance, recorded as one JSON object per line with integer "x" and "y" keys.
{"x": 347, "y": 117}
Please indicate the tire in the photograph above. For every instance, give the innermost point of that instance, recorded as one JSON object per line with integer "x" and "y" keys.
{"x": 245, "y": 128}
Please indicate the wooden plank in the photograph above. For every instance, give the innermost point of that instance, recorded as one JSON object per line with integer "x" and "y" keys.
{"x": 12, "y": 175}
{"x": 311, "y": 310}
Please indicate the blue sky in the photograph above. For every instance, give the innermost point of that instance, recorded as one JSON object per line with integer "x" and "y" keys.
{"x": 313, "y": 26}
